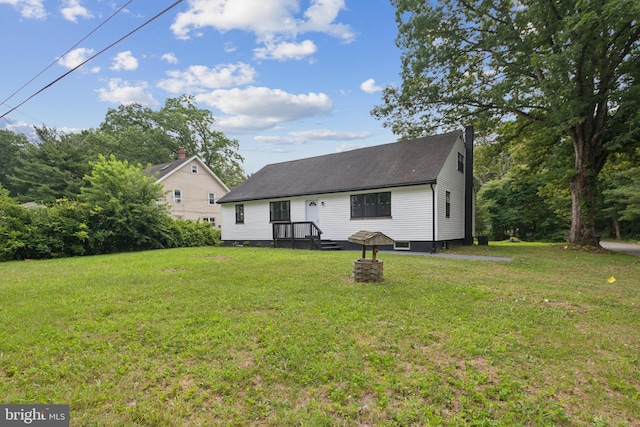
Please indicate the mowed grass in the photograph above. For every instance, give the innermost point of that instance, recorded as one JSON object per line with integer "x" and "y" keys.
{"x": 273, "y": 337}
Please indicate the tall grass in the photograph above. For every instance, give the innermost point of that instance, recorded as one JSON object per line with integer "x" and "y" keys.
{"x": 250, "y": 336}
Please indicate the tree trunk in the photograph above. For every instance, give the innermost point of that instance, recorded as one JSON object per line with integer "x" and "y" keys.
{"x": 616, "y": 227}
{"x": 583, "y": 231}
{"x": 588, "y": 163}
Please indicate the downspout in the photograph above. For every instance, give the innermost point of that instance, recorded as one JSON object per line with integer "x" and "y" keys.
{"x": 433, "y": 220}
{"x": 468, "y": 186}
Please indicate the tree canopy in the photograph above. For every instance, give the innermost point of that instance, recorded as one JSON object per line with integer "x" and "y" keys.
{"x": 572, "y": 67}
{"x": 140, "y": 134}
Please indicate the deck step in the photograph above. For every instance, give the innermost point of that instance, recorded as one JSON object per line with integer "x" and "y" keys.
{"x": 329, "y": 245}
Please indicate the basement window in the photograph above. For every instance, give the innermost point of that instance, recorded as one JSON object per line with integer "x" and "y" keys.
{"x": 402, "y": 246}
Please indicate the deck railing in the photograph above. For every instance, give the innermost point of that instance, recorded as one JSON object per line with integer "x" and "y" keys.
{"x": 303, "y": 233}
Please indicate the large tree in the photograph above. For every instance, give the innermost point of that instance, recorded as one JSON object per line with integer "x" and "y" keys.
{"x": 10, "y": 146}
{"x": 53, "y": 168}
{"x": 137, "y": 131}
{"x": 572, "y": 66}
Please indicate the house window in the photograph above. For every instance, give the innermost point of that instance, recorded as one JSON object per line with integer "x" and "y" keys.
{"x": 447, "y": 204}
{"x": 194, "y": 168}
{"x": 211, "y": 220}
{"x": 177, "y": 195}
{"x": 461, "y": 162}
{"x": 402, "y": 246}
{"x": 239, "y": 214}
{"x": 280, "y": 211}
{"x": 371, "y": 205}
{"x": 212, "y": 198}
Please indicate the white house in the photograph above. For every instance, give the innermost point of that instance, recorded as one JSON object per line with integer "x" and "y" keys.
{"x": 418, "y": 192}
{"x": 192, "y": 189}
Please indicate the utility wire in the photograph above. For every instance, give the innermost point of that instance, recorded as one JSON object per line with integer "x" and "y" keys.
{"x": 92, "y": 57}
{"x": 64, "y": 54}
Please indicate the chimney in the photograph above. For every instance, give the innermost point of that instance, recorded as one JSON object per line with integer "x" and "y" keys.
{"x": 182, "y": 153}
{"x": 468, "y": 185}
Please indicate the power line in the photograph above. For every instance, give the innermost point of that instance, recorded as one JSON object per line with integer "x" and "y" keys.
{"x": 64, "y": 54}
{"x": 92, "y": 57}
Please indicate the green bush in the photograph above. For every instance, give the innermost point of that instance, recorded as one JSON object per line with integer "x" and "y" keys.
{"x": 58, "y": 231}
{"x": 14, "y": 227}
{"x": 187, "y": 233}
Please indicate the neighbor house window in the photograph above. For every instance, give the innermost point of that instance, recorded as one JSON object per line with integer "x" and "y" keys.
{"x": 460, "y": 162}
{"x": 194, "y": 168}
{"x": 447, "y": 204}
{"x": 239, "y": 214}
{"x": 212, "y": 198}
{"x": 177, "y": 195}
{"x": 210, "y": 220}
{"x": 371, "y": 205}
{"x": 280, "y": 211}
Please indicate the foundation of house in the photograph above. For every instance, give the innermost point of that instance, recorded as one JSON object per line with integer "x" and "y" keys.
{"x": 368, "y": 270}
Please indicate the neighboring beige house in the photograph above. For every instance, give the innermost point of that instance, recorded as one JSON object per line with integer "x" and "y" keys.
{"x": 192, "y": 189}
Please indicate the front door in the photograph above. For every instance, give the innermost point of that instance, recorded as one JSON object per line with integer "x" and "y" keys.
{"x": 312, "y": 211}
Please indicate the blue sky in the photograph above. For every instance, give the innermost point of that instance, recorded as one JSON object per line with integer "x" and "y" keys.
{"x": 288, "y": 79}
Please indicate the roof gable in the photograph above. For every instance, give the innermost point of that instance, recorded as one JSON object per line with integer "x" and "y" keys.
{"x": 164, "y": 170}
{"x": 411, "y": 162}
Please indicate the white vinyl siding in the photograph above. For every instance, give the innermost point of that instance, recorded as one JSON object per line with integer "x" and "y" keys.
{"x": 450, "y": 179}
{"x": 410, "y": 216}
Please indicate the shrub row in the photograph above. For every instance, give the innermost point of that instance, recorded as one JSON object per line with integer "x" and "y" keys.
{"x": 73, "y": 228}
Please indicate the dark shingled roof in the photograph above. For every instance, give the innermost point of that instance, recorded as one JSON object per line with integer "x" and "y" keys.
{"x": 411, "y": 162}
{"x": 158, "y": 171}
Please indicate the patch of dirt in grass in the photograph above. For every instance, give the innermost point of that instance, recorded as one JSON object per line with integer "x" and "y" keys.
{"x": 566, "y": 306}
{"x": 172, "y": 270}
{"x": 214, "y": 257}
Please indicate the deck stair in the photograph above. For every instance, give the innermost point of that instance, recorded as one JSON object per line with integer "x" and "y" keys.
{"x": 329, "y": 245}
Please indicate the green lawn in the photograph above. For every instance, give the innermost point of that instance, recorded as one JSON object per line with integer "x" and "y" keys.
{"x": 272, "y": 337}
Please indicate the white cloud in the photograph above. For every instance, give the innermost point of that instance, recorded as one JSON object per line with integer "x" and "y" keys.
{"x": 75, "y": 57}
{"x": 121, "y": 92}
{"x": 369, "y": 86}
{"x": 348, "y": 147}
{"x": 198, "y": 78}
{"x": 257, "y": 16}
{"x": 286, "y": 50}
{"x": 170, "y": 58}
{"x": 28, "y": 8}
{"x": 259, "y": 108}
{"x": 305, "y": 136}
{"x": 269, "y": 20}
{"x": 320, "y": 17}
{"x": 73, "y": 9}
{"x": 124, "y": 61}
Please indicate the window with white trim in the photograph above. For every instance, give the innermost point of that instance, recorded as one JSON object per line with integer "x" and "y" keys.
{"x": 447, "y": 204}
{"x": 194, "y": 168}
{"x": 239, "y": 214}
{"x": 371, "y": 205}
{"x": 212, "y": 198}
{"x": 177, "y": 195}
{"x": 211, "y": 220}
